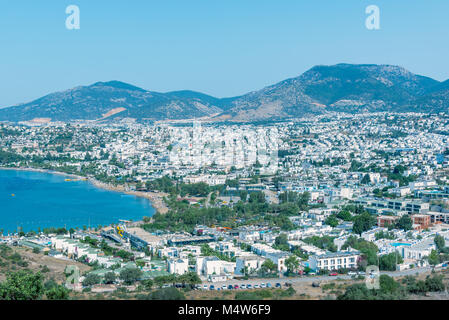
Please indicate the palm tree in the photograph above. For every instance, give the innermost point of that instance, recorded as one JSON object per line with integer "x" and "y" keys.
{"x": 292, "y": 264}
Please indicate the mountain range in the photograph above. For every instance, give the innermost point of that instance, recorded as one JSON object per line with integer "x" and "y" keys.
{"x": 339, "y": 88}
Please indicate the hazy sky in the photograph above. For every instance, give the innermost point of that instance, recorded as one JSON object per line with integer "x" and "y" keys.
{"x": 222, "y": 48}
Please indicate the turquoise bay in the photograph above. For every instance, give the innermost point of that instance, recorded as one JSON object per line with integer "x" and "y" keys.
{"x": 33, "y": 200}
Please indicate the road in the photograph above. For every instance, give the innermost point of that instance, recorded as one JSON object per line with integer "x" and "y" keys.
{"x": 310, "y": 279}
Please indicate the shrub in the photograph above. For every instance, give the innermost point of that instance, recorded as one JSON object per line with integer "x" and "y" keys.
{"x": 166, "y": 294}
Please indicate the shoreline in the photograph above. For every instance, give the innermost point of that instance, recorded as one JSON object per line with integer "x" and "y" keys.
{"x": 155, "y": 198}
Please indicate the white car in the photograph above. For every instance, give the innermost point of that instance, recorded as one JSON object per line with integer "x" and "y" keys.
{"x": 224, "y": 287}
{"x": 352, "y": 273}
{"x": 361, "y": 273}
{"x": 256, "y": 286}
{"x": 263, "y": 285}
{"x": 243, "y": 286}
{"x": 205, "y": 287}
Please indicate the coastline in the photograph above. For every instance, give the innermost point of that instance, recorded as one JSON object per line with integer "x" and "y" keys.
{"x": 155, "y": 198}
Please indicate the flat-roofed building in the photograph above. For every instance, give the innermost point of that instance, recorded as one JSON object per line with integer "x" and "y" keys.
{"x": 334, "y": 260}
{"x": 422, "y": 220}
{"x": 384, "y": 221}
{"x": 178, "y": 266}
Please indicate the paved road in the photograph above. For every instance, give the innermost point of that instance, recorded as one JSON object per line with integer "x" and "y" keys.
{"x": 310, "y": 279}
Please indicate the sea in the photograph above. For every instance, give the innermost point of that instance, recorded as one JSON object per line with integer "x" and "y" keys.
{"x": 30, "y": 200}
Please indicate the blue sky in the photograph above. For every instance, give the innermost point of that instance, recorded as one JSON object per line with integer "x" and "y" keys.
{"x": 222, "y": 48}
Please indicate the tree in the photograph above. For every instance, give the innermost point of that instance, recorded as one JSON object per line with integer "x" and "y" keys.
{"x": 110, "y": 277}
{"x": 363, "y": 222}
{"x": 130, "y": 275}
{"x": 22, "y": 285}
{"x": 57, "y": 293}
{"x": 91, "y": 279}
{"x": 292, "y": 264}
{"x": 281, "y": 242}
{"x": 269, "y": 266}
{"x": 190, "y": 278}
{"x": 366, "y": 179}
{"x": 389, "y": 262}
{"x": 281, "y": 239}
{"x": 344, "y": 215}
{"x": 439, "y": 242}
{"x": 367, "y": 248}
{"x": 405, "y": 223}
{"x": 257, "y": 197}
{"x": 303, "y": 200}
{"x": 148, "y": 284}
{"x": 331, "y": 221}
{"x": 243, "y": 195}
{"x": 388, "y": 284}
{"x": 433, "y": 258}
{"x": 435, "y": 283}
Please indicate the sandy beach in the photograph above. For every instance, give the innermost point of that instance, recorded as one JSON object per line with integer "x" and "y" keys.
{"x": 156, "y": 198}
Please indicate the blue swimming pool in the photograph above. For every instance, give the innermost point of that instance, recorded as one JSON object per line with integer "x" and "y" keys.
{"x": 397, "y": 244}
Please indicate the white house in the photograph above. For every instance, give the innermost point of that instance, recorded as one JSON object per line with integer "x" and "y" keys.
{"x": 252, "y": 263}
{"x": 212, "y": 265}
{"x": 334, "y": 260}
{"x": 178, "y": 266}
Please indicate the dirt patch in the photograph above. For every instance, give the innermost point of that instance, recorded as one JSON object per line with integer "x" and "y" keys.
{"x": 37, "y": 261}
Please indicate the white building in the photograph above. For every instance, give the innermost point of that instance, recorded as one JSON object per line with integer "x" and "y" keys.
{"x": 178, "y": 266}
{"x": 213, "y": 266}
{"x": 252, "y": 264}
{"x": 334, "y": 260}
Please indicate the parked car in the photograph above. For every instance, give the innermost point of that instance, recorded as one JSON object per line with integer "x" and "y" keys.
{"x": 230, "y": 287}
{"x": 263, "y": 285}
{"x": 243, "y": 286}
{"x": 236, "y": 286}
{"x": 256, "y": 286}
{"x": 205, "y": 287}
{"x": 212, "y": 287}
{"x": 269, "y": 285}
{"x": 352, "y": 273}
{"x": 333, "y": 274}
{"x": 312, "y": 274}
{"x": 361, "y": 273}
{"x": 223, "y": 287}
{"x": 278, "y": 285}
{"x": 248, "y": 286}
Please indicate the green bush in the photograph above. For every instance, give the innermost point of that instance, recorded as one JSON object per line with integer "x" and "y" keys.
{"x": 166, "y": 294}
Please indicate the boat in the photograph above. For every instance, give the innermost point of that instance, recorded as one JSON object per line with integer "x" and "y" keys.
{"x": 68, "y": 180}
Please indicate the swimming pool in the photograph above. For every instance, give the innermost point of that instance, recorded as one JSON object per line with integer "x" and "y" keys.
{"x": 397, "y": 244}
